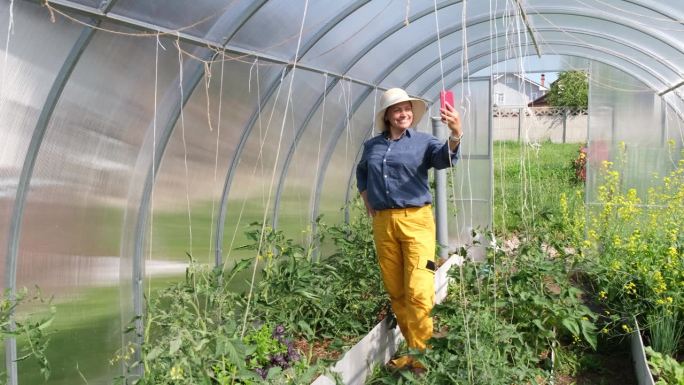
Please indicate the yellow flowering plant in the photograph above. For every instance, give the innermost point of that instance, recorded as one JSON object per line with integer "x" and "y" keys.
{"x": 635, "y": 244}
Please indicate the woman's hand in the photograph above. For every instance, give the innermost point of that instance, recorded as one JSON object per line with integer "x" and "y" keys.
{"x": 452, "y": 119}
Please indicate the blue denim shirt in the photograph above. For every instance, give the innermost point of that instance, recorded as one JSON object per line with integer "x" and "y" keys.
{"x": 395, "y": 172}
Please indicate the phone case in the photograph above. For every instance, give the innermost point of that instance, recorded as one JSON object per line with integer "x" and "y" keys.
{"x": 446, "y": 97}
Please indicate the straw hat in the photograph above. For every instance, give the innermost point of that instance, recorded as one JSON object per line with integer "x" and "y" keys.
{"x": 394, "y": 96}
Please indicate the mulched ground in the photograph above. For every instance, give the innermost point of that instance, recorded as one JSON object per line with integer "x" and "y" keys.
{"x": 612, "y": 365}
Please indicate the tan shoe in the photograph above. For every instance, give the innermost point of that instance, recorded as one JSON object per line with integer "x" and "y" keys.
{"x": 401, "y": 362}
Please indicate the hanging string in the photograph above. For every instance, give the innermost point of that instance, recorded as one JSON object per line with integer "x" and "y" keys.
{"x": 408, "y": 12}
{"x": 439, "y": 43}
{"x": 320, "y": 135}
{"x": 259, "y": 156}
{"x": 216, "y": 156}
{"x": 154, "y": 153}
{"x": 10, "y": 32}
{"x": 185, "y": 146}
{"x": 275, "y": 167}
{"x": 52, "y": 10}
{"x": 171, "y": 32}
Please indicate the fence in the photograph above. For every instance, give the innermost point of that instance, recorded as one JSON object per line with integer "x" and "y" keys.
{"x": 534, "y": 124}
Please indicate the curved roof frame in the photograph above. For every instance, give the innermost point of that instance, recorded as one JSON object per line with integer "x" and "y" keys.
{"x": 614, "y": 54}
{"x": 246, "y": 131}
{"x": 553, "y": 10}
{"x": 415, "y": 50}
{"x": 576, "y": 31}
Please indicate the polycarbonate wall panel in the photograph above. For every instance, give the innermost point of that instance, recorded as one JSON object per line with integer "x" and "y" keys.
{"x": 341, "y": 170}
{"x": 311, "y": 155}
{"x": 428, "y": 57}
{"x": 186, "y": 201}
{"x": 25, "y": 81}
{"x": 627, "y": 127}
{"x": 469, "y": 200}
{"x": 78, "y": 199}
{"x": 200, "y": 18}
{"x": 276, "y": 27}
{"x": 674, "y": 120}
{"x": 662, "y": 54}
{"x": 405, "y": 40}
{"x": 353, "y": 34}
{"x": 662, "y": 14}
{"x": 253, "y": 190}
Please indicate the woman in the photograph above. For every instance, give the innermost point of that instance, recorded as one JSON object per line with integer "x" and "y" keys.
{"x": 392, "y": 178}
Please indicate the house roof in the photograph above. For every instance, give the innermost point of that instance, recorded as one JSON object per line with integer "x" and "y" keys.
{"x": 524, "y": 79}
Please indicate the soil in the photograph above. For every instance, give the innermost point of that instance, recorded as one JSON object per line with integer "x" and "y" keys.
{"x": 612, "y": 367}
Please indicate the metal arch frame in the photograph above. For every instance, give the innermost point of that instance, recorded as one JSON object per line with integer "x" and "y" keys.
{"x": 451, "y": 30}
{"x": 293, "y": 147}
{"x": 575, "y": 31}
{"x": 329, "y": 150}
{"x": 26, "y": 175}
{"x": 137, "y": 272}
{"x": 247, "y": 130}
{"x": 390, "y": 31}
{"x": 447, "y": 32}
{"x": 569, "y": 44}
{"x": 580, "y": 31}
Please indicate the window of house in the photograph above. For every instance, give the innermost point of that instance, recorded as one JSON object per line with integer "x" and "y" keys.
{"x": 499, "y": 98}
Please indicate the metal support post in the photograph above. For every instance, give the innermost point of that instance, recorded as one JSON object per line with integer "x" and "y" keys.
{"x": 439, "y": 130}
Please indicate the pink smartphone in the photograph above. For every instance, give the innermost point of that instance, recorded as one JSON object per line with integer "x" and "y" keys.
{"x": 446, "y": 97}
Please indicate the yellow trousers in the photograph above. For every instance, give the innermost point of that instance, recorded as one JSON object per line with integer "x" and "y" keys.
{"x": 405, "y": 244}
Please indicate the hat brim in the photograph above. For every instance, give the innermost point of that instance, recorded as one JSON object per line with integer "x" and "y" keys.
{"x": 419, "y": 108}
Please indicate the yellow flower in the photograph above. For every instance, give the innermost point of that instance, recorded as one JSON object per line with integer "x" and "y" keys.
{"x": 176, "y": 373}
{"x": 630, "y": 288}
{"x": 602, "y": 295}
{"x": 604, "y": 330}
{"x": 615, "y": 265}
{"x": 672, "y": 252}
{"x": 626, "y": 328}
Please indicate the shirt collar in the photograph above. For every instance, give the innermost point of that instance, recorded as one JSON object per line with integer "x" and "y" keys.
{"x": 407, "y": 133}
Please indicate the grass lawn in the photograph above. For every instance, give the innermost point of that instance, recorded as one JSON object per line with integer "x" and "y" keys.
{"x": 528, "y": 183}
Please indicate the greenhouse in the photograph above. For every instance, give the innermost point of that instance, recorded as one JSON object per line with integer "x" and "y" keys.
{"x": 180, "y": 202}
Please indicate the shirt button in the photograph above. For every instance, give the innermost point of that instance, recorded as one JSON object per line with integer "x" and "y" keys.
{"x": 385, "y": 176}
{"x": 389, "y": 149}
{"x": 384, "y": 160}
{"x": 386, "y": 191}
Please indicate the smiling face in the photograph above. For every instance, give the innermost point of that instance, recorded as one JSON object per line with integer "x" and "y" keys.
{"x": 399, "y": 116}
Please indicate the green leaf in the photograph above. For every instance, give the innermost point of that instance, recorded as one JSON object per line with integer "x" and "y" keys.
{"x": 305, "y": 328}
{"x": 571, "y": 325}
{"x": 175, "y": 344}
{"x": 154, "y": 353}
{"x": 589, "y": 332}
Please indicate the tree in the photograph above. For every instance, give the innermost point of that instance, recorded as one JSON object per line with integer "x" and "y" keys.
{"x": 569, "y": 90}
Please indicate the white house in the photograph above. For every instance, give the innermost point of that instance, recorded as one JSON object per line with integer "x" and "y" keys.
{"x": 514, "y": 90}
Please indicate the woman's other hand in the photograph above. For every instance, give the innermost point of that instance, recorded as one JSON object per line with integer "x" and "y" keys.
{"x": 369, "y": 209}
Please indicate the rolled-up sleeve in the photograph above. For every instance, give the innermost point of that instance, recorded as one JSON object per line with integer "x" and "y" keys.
{"x": 440, "y": 155}
{"x": 362, "y": 171}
